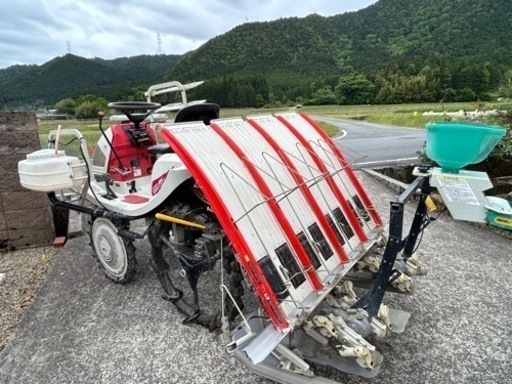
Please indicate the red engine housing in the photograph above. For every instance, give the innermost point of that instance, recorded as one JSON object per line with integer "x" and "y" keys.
{"x": 130, "y": 145}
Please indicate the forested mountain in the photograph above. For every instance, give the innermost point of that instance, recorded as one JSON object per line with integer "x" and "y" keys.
{"x": 389, "y": 43}
{"x": 71, "y": 76}
{"x": 390, "y": 52}
{"x": 143, "y": 67}
{"x": 10, "y": 73}
{"x": 427, "y": 29}
{"x": 364, "y": 40}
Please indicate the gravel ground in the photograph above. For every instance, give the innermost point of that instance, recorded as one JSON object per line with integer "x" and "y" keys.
{"x": 22, "y": 273}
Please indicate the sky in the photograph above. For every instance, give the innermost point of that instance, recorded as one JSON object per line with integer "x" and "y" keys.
{"x": 36, "y": 31}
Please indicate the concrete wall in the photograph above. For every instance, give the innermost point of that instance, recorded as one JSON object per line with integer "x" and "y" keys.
{"x": 25, "y": 216}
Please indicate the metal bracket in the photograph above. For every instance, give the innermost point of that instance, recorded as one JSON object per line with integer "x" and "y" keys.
{"x": 372, "y": 300}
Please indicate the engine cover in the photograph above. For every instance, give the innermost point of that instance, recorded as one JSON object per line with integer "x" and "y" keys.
{"x": 133, "y": 159}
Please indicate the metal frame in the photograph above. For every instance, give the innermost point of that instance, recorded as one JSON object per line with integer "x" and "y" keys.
{"x": 372, "y": 300}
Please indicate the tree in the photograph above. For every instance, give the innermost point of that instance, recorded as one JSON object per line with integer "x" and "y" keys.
{"x": 66, "y": 106}
{"x": 323, "y": 96}
{"x": 418, "y": 88}
{"x": 87, "y": 110}
{"x": 465, "y": 94}
{"x": 100, "y": 101}
{"x": 260, "y": 102}
{"x": 505, "y": 89}
{"x": 503, "y": 151}
{"x": 354, "y": 88}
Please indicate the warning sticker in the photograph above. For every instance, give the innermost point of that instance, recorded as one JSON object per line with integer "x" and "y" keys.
{"x": 503, "y": 221}
{"x": 457, "y": 190}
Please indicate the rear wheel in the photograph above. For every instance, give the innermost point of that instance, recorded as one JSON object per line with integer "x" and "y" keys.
{"x": 114, "y": 254}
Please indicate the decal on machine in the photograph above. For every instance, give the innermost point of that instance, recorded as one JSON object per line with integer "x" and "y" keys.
{"x": 157, "y": 184}
{"x": 457, "y": 190}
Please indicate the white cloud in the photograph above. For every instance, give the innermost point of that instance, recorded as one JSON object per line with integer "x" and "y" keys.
{"x": 35, "y": 31}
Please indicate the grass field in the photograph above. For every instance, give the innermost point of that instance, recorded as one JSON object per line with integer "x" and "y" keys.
{"x": 405, "y": 115}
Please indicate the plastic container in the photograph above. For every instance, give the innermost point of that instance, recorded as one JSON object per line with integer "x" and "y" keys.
{"x": 453, "y": 145}
{"x": 46, "y": 171}
{"x": 500, "y": 220}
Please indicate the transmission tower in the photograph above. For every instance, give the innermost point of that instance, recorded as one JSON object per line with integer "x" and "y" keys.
{"x": 68, "y": 46}
{"x": 159, "y": 42}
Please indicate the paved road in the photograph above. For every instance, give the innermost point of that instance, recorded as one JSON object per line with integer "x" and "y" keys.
{"x": 368, "y": 144}
{"x": 81, "y": 328}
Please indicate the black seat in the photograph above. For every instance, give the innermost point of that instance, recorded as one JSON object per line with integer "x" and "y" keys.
{"x": 160, "y": 149}
{"x": 204, "y": 112}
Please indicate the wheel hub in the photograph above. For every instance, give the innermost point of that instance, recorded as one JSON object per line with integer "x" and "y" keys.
{"x": 104, "y": 249}
{"x": 109, "y": 247}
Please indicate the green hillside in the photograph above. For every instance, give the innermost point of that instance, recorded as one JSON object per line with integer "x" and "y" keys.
{"x": 12, "y": 72}
{"x": 396, "y": 29}
{"x": 365, "y": 40}
{"x": 394, "y": 51}
{"x": 285, "y": 46}
{"x": 450, "y": 49}
{"x": 141, "y": 68}
{"x": 71, "y": 76}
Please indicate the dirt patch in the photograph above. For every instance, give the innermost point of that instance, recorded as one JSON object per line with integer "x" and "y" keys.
{"x": 22, "y": 273}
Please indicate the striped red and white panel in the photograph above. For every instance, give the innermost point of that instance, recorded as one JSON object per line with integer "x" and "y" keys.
{"x": 306, "y": 220}
{"x": 332, "y": 200}
{"x": 307, "y": 131}
{"x": 249, "y": 217}
{"x": 285, "y": 200}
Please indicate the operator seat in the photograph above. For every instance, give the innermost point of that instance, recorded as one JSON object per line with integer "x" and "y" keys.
{"x": 204, "y": 112}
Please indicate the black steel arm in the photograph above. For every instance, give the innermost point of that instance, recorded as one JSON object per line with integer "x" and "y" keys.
{"x": 372, "y": 300}
{"x": 95, "y": 212}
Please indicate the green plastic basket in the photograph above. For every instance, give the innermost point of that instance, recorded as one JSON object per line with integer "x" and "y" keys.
{"x": 453, "y": 145}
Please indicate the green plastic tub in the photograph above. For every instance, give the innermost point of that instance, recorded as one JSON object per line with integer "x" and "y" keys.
{"x": 455, "y": 144}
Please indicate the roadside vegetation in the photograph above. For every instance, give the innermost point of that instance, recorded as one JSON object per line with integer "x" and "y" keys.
{"x": 405, "y": 115}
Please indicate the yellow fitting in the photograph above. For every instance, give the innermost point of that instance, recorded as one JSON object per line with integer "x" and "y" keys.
{"x": 172, "y": 219}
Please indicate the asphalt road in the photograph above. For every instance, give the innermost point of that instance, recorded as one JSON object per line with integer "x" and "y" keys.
{"x": 81, "y": 328}
{"x": 369, "y": 145}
